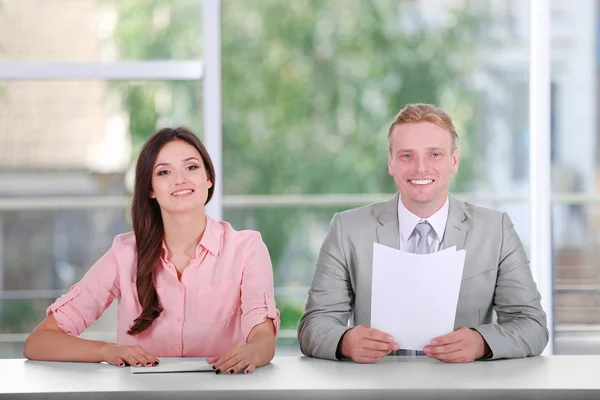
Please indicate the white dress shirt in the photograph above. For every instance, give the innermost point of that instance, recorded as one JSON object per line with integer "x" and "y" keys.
{"x": 407, "y": 222}
{"x": 408, "y": 239}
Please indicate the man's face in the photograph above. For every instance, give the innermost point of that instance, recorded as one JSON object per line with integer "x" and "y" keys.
{"x": 421, "y": 160}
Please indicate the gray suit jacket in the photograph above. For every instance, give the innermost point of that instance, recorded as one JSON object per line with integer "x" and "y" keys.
{"x": 496, "y": 276}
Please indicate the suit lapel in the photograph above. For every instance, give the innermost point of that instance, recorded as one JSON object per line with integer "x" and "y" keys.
{"x": 456, "y": 228}
{"x": 388, "y": 233}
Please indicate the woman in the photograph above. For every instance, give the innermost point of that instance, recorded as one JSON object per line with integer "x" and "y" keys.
{"x": 187, "y": 285}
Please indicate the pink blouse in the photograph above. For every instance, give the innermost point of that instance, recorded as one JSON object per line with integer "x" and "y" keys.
{"x": 225, "y": 291}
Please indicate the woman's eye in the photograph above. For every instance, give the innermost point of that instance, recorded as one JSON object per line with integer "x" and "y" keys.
{"x": 192, "y": 167}
{"x": 163, "y": 172}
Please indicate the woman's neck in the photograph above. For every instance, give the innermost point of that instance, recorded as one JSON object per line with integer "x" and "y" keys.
{"x": 183, "y": 232}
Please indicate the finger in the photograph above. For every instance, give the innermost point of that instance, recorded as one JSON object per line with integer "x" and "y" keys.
{"x": 143, "y": 357}
{"x": 132, "y": 359}
{"x": 226, "y": 356}
{"x": 448, "y": 338}
{"x": 445, "y": 348}
{"x": 365, "y": 359}
{"x": 221, "y": 364}
{"x": 149, "y": 358}
{"x": 374, "y": 334}
{"x": 372, "y": 353}
{"x": 229, "y": 364}
{"x": 212, "y": 360}
{"x": 240, "y": 366}
{"x": 448, "y": 357}
{"x": 119, "y": 362}
{"x": 250, "y": 369}
{"x": 376, "y": 345}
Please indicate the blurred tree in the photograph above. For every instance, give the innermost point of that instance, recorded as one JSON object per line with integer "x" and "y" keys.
{"x": 309, "y": 89}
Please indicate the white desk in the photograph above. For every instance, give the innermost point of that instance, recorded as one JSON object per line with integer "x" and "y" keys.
{"x": 556, "y": 377}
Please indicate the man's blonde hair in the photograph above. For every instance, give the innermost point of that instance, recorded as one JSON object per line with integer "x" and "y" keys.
{"x": 415, "y": 113}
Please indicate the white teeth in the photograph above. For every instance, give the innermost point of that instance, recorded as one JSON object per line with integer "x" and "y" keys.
{"x": 421, "y": 181}
{"x": 182, "y": 192}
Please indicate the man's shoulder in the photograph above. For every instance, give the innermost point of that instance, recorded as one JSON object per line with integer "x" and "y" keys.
{"x": 479, "y": 215}
{"x": 473, "y": 211}
{"x": 362, "y": 214}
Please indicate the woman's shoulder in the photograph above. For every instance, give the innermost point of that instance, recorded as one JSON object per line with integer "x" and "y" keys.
{"x": 124, "y": 246}
{"x": 125, "y": 240}
{"x": 239, "y": 238}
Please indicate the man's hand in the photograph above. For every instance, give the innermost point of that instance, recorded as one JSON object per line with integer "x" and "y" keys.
{"x": 366, "y": 345}
{"x": 461, "y": 346}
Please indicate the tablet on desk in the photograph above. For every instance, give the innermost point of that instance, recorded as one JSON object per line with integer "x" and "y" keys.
{"x": 176, "y": 365}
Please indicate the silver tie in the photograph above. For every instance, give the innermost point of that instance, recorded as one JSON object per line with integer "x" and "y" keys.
{"x": 423, "y": 229}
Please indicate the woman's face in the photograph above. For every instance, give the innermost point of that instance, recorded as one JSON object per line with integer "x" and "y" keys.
{"x": 179, "y": 180}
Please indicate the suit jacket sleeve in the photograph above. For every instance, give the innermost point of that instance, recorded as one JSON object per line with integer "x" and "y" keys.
{"x": 521, "y": 329}
{"x": 330, "y": 298}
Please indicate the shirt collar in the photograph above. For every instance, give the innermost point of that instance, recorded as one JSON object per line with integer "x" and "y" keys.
{"x": 211, "y": 239}
{"x": 407, "y": 220}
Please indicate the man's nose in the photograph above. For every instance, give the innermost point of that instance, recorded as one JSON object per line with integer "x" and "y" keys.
{"x": 421, "y": 164}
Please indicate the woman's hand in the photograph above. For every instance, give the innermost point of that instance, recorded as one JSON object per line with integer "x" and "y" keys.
{"x": 135, "y": 356}
{"x": 236, "y": 359}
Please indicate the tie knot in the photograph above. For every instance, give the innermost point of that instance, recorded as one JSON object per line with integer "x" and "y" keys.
{"x": 423, "y": 229}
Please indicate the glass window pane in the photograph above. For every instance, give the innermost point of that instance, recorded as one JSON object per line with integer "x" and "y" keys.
{"x": 92, "y": 125}
{"x": 575, "y": 162}
{"x": 310, "y": 88}
{"x": 70, "y": 140}
{"x": 100, "y": 30}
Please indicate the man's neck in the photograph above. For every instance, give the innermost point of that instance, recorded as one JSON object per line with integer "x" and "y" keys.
{"x": 424, "y": 210}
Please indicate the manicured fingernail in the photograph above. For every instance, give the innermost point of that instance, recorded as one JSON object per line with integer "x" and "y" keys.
{"x": 138, "y": 364}
{"x": 157, "y": 362}
{"x": 122, "y": 365}
{"x": 246, "y": 371}
{"x": 218, "y": 371}
{"x": 396, "y": 347}
{"x": 148, "y": 363}
{"x": 230, "y": 372}
{"x": 214, "y": 367}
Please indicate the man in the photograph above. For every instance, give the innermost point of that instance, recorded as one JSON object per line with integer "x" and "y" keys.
{"x": 423, "y": 218}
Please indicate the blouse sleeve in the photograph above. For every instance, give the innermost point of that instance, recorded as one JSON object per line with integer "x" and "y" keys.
{"x": 258, "y": 300}
{"x": 85, "y": 302}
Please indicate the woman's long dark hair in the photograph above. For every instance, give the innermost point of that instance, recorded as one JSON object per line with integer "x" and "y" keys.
{"x": 147, "y": 220}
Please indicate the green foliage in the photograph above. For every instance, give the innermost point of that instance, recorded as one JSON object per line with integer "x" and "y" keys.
{"x": 290, "y": 313}
{"x": 140, "y": 35}
{"x": 17, "y": 316}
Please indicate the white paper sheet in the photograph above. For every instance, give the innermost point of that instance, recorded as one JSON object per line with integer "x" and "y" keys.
{"x": 414, "y": 296}
{"x": 167, "y": 365}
